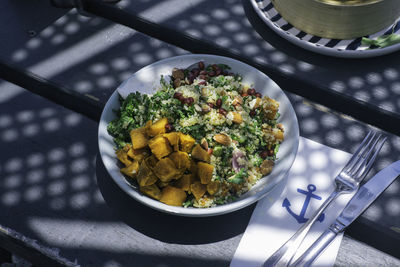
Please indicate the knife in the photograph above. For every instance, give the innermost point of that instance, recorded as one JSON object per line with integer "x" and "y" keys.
{"x": 356, "y": 206}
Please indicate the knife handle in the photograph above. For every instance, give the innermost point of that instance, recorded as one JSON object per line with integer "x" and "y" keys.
{"x": 308, "y": 257}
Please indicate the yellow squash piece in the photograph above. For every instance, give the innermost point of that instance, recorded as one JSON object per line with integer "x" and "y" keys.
{"x": 145, "y": 175}
{"x": 127, "y": 147}
{"x": 173, "y": 139}
{"x": 173, "y": 196}
{"x": 278, "y": 134}
{"x": 185, "y": 181}
{"x": 160, "y": 147}
{"x": 237, "y": 118}
{"x": 152, "y": 191}
{"x": 200, "y": 154}
{"x": 213, "y": 187}
{"x": 162, "y": 184}
{"x": 186, "y": 142}
{"x": 131, "y": 170}
{"x": 198, "y": 189}
{"x": 151, "y": 161}
{"x": 139, "y": 138}
{"x": 270, "y": 107}
{"x": 181, "y": 160}
{"x": 204, "y": 172}
{"x": 193, "y": 167}
{"x": 138, "y": 154}
{"x": 157, "y": 128}
{"x": 274, "y": 134}
{"x": 123, "y": 157}
{"x": 166, "y": 171}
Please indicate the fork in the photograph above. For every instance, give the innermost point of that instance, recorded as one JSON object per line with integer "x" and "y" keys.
{"x": 347, "y": 181}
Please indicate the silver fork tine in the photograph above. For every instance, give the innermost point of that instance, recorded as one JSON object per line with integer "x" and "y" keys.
{"x": 363, "y": 158}
{"x": 356, "y": 156}
{"x": 364, "y": 171}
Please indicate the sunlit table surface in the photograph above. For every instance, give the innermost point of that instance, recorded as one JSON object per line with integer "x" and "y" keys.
{"x": 54, "y": 189}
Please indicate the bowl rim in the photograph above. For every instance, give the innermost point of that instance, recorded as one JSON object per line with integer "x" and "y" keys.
{"x": 318, "y": 48}
{"x": 195, "y": 212}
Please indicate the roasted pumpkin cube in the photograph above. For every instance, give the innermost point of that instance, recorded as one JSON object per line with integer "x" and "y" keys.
{"x": 139, "y": 138}
{"x": 127, "y": 147}
{"x": 186, "y": 142}
{"x": 200, "y": 153}
{"x": 166, "y": 171}
{"x": 204, "y": 172}
{"x": 161, "y": 184}
{"x": 193, "y": 167}
{"x": 270, "y": 108}
{"x": 157, "y": 128}
{"x": 185, "y": 181}
{"x": 181, "y": 160}
{"x": 198, "y": 190}
{"x": 138, "y": 154}
{"x": 151, "y": 161}
{"x": 131, "y": 170}
{"x": 278, "y": 134}
{"x": 173, "y": 196}
{"x": 160, "y": 147}
{"x": 123, "y": 157}
{"x": 173, "y": 139}
{"x": 213, "y": 187}
{"x": 145, "y": 175}
{"x": 151, "y": 191}
{"x": 148, "y": 124}
{"x": 273, "y": 135}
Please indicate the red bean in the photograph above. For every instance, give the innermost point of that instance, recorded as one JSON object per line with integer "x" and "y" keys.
{"x": 201, "y": 65}
{"x": 252, "y": 113}
{"x": 251, "y": 91}
{"x": 214, "y": 67}
{"x": 177, "y": 95}
{"x": 169, "y": 127}
{"x": 203, "y": 72}
{"x": 183, "y": 100}
{"x": 225, "y": 73}
{"x": 195, "y": 72}
{"x": 211, "y": 105}
{"x": 202, "y": 82}
{"x": 218, "y": 72}
{"x": 264, "y": 154}
{"x": 191, "y": 79}
{"x": 219, "y": 102}
{"x": 258, "y": 95}
{"x": 270, "y": 152}
{"x": 189, "y": 101}
{"x": 211, "y": 73}
{"x": 222, "y": 111}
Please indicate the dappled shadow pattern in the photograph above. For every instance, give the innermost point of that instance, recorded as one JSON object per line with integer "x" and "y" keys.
{"x": 48, "y": 188}
{"x": 166, "y": 227}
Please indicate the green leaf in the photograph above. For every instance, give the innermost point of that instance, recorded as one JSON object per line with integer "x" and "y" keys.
{"x": 382, "y": 41}
{"x": 223, "y": 67}
{"x": 239, "y": 177}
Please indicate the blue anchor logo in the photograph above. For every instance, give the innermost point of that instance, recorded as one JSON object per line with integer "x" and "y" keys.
{"x": 309, "y": 194}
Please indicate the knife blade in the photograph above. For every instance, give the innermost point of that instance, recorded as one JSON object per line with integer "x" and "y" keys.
{"x": 356, "y": 206}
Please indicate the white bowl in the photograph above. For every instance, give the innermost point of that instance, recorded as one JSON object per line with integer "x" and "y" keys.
{"x": 147, "y": 79}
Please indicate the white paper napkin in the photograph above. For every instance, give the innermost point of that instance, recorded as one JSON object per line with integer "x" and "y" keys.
{"x": 273, "y": 221}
